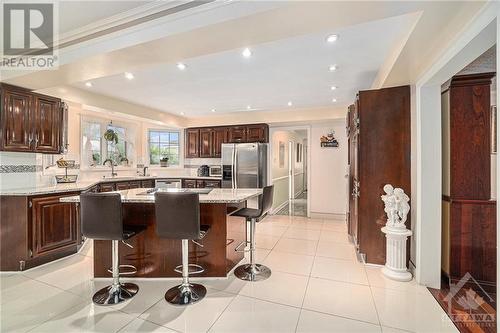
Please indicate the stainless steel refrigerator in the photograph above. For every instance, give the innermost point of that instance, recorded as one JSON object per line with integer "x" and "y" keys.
{"x": 244, "y": 165}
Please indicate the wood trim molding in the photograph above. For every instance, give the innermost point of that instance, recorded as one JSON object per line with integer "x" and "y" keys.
{"x": 472, "y": 79}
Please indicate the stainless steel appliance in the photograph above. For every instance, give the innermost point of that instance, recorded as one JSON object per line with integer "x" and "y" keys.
{"x": 215, "y": 171}
{"x": 168, "y": 183}
{"x": 244, "y": 165}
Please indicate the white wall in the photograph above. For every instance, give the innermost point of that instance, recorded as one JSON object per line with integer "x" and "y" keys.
{"x": 328, "y": 169}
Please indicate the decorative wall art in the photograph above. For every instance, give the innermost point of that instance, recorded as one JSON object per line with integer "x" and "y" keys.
{"x": 281, "y": 155}
{"x": 329, "y": 141}
{"x": 299, "y": 152}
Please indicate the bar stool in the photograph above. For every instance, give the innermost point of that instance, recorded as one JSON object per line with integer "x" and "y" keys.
{"x": 102, "y": 219}
{"x": 253, "y": 271}
{"x": 178, "y": 217}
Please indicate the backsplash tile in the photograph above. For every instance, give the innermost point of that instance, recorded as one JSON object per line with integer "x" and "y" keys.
{"x": 22, "y": 168}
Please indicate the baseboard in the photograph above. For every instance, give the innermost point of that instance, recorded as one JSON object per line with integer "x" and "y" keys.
{"x": 330, "y": 216}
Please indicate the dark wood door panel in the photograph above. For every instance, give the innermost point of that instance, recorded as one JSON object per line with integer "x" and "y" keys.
{"x": 47, "y": 116}
{"x": 54, "y": 225}
{"x": 106, "y": 187}
{"x": 206, "y": 142}
{"x": 237, "y": 134}
{"x": 220, "y": 137}
{"x": 192, "y": 143}
{"x": 257, "y": 133}
{"x": 188, "y": 183}
{"x": 122, "y": 186}
{"x": 15, "y": 119}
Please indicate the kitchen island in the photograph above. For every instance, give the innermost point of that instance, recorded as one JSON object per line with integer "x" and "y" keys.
{"x": 156, "y": 257}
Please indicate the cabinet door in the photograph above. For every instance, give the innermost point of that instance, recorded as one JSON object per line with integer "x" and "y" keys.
{"x": 192, "y": 143}
{"x": 237, "y": 134}
{"x": 200, "y": 184}
{"x": 219, "y": 137}
{"x": 257, "y": 133}
{"x": 122, "y": 186}
{"x": 188, "y": 183}
{"x": 206, "y": 142}
{"x": 47, "y": 120}
{"x": 212, "y": 184}
{"x": 54, "y": 225}
{"x": 106, "y": 187}
{"x": 15, "y": 120}
{"x": 134, "y": 185}
{"x": 148, "y": 183}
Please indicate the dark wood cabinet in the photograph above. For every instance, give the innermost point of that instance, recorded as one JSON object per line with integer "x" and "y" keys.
{"x": 54, "y": 225}
{"x": 47, "y": 118}
{"x": 122, "y": 186}
{"x": 237, "y": 134}
{"x": 379, "y": 154}
{"x": 106, "y": 187}
{"x": 192, "y": 143}
{"x": 212, "y": 184}
{"x": 257, "y": 133}
{"x": 189, "y": 183}
{"x": 219, "y": 137}
{"x": 136, "y": 184}
{"x": 148, "y": 183}
{"x": 29, "y": 122}
{"x": 206, "y": 142}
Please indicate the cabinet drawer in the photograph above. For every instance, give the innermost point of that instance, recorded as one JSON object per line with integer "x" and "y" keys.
{"x": 135, "y": 184}
{"x": 189, "y": 183}
{"x": 106, "y": 187}
{"x": 148, "y": 183}
{"x": 122, "y": 186}
{"x": 200, "y": 183}
{"x": 212, "y": 183}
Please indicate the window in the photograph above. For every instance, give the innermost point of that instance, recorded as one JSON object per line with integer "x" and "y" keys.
{"x": 163, "y": 143}
{"x": 96, "y": 149}
{"x": 92, "y": 142}
{"x": 117, "y": 152}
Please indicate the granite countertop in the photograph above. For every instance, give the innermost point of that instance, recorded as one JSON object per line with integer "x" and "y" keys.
{"x": 216, "y": 195}
{"x": 87, "y": 184}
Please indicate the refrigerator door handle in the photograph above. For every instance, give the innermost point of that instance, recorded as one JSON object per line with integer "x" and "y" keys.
{"x": 235, "y": 167}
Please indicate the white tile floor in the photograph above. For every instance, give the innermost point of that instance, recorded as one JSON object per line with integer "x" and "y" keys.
{"x": 316, "y": 286}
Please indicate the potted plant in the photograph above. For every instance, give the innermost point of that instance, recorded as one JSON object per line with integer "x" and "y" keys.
{"x": 111, "y": 136}
{"x": 164, "y": 161}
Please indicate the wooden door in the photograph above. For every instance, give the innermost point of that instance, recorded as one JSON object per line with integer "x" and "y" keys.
{"x": 192, "y": 143}
{"x": 206, "y": 142}
{"x": 15, "y": 119}
{"x": 237, "y": 134}
{"x": 257, "y": 133}
{"x": 219, "y": 137}
{"x": 54, "y": 225}
{"x": 47, "y": 120}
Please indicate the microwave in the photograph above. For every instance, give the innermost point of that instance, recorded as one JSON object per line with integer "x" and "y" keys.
{"x": 215, "y": 171}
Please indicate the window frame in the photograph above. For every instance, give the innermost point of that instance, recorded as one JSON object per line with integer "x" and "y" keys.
{"x": 180, "y": 150}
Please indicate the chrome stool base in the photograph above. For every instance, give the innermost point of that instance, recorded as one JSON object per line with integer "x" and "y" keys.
{"x": 185, "y": 294}
{"x": 255, "y": 272}
{"x": 110, "y": 295}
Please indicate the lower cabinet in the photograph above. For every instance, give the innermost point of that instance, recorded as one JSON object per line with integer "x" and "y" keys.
{"x": 189, "y": 183}
{"x": 55, "y": 225}
{"x": 107, "y": 187}
{"x": 200, "y": 183}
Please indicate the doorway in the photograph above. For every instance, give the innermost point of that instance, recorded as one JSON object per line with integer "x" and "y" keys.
{"x": 289, "y": 165}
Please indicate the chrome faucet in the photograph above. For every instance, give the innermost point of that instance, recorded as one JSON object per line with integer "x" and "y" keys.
{"x": 144, "y": 170}
{"x": 113, "y": 173}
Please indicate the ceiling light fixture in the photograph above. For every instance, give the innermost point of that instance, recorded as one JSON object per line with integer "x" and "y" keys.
{"x": 290, "y": 103}
{"x": 181, "y": 113}
{"x": 129, "y": 75}
{"x": 247, "y": 53}
{"x": 332, "y": 68}
{"x": 332, "y": 38}
{"x": 334, "y": 100}
{"x": 333, "y": 88}
{"x": 181, "y": 66}
{"x": 249, "y": 107}
{"x": 88, "y": 84}
{"x": 213, "y": 110}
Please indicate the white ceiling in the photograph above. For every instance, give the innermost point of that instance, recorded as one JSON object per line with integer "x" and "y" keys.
{"x": 293, "y": 69}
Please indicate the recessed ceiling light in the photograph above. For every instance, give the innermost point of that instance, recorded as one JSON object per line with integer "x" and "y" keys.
{"x": 334, "y": 100}
{"x": 332, "y": 38}
{"x": 181, "y": 113}
{"x": 88, "y": 84}
{"x": 181, "y": 66}
{"x": 332, "y": 68}
{"x": 290, "y": 103}
{"x": 213, "y": 110}
{"x": 129, "y": 75}
{"x": 247, "y": 53}
{"x": 249, "y": 107}
{"x": 333, "y": 88}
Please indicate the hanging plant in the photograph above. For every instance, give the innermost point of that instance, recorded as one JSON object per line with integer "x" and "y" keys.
{"x": 111, "y": 136}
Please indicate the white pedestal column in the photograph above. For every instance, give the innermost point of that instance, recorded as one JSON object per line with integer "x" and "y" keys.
{"x": 395, "y": 266}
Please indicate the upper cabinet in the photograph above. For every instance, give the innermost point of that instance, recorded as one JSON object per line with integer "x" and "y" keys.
{"x": 207, "y": 141}
{"x": 29, "y": 122}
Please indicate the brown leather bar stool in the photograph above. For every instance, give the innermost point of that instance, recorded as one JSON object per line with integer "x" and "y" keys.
{"x": 102, "y": 219}
{"x": 178, "y": 217}
{"x": 253, "y": 271}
